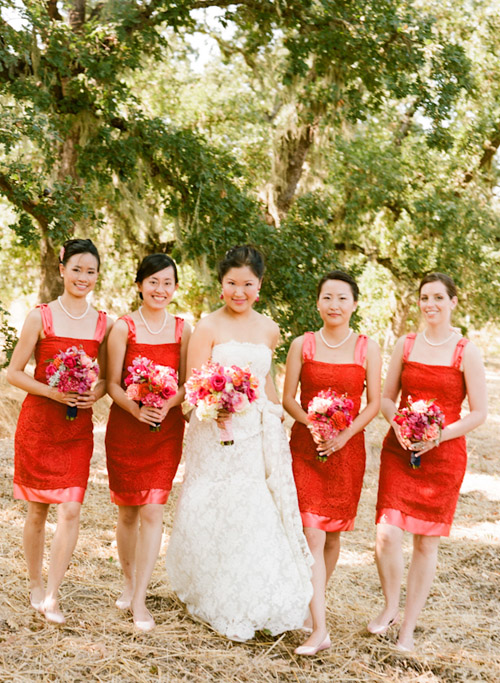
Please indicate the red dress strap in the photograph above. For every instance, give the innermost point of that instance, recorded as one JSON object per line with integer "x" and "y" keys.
{"x": 360, "y": 349}
{"x": 409, "y": 341}
{"x": 458, "y": 354}
{"x": 131, "y": 328}
{"x": 179, "y": 326}
{"x": 308, "y": 346}
{"x": 100, "y": 328}
{"x": 47, "y": 324}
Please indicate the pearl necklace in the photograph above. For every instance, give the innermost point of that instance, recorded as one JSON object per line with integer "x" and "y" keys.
{"x": 147, "y": 326}
{"x": 74, "y": 317}
{"x": 334, "y": 346}
{"x": 438, "y": 343}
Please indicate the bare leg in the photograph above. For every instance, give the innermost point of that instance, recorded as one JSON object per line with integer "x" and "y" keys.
{"x": 34, "y": 542}
{"x": 332, "y": 551}
{"x": 390, "y": 565}
{"x": 420, "y": 577}
{"x": 63, "y": 544}
{"x": 127, "y": 530}
{"x": 148, "y": 547}
{"x": 316, "y": 539}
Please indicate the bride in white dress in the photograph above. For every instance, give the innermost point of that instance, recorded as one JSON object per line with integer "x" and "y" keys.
{"x": 237, "y": 555}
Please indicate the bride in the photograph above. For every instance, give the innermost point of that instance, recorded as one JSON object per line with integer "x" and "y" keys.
{"x": 237, "y": 555}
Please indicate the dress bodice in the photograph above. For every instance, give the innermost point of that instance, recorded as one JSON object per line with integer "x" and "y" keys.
{"x": 257, "y": 357}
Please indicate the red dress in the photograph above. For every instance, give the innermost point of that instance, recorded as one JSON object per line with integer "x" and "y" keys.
{"x": 423, "y": 501}
{"x": 52, "y": 454}
{"x": 329, "y": 491}
{"x": 141, "y": 463}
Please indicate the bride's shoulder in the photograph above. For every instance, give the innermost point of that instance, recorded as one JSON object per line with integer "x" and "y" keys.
{"x": 269, "y": 328}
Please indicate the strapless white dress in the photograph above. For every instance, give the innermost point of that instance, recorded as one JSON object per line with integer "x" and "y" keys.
{"x": 237, "y": 555}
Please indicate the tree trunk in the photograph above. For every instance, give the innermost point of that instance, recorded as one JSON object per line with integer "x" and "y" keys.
{"x": 289, "y": 165}
{"x": 400, "y": 317}
{"x": 77, "y": 15}
{"x": 50, "y": 283}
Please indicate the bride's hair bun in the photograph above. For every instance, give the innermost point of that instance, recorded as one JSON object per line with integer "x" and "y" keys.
{"x": 240, "y": 256}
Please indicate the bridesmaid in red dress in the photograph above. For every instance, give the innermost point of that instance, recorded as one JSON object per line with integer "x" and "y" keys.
{"x": 52, "y": 454}
{"x": 436, "y": 364}
{"x": 334, "y": 357}
{"x": 142, "y": 463}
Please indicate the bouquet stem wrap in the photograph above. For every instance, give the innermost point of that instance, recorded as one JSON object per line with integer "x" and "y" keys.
{"x": 226, "y": 433}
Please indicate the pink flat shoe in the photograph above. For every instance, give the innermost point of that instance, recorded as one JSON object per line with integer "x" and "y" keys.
{"x": 382, "y": 630}
{"x": 309, "y": 651}
{"x": 144, "y": 625}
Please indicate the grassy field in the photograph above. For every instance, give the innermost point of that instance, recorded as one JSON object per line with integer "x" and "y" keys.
{"x": 458, "y": 638}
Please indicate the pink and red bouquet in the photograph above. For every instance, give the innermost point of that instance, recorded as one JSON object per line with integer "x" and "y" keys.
{"x": 329, "y": 414}
{"x": 420, "y": 422}
{"x": 150, "y": 384}
{"x": 217, "y": 387}
{"x": 72, "y": 370}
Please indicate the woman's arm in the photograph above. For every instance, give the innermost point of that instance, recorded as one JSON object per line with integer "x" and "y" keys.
{"x": 179, "y": 396}
{"x": 200, "y": 347}
{"x": 25, "y": 347}
{"x": 88, "y": 398}
{"x": 475, "y": 382}
{"x": 292, "y": 378}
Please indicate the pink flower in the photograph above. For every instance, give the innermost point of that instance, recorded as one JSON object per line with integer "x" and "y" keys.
{"x": 218, "y": 382}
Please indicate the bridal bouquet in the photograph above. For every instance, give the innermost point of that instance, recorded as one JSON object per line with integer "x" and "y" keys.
{"x": 420, "y": 422}
{"x": 329, "y": 414}
{"x": 72, "y": 370}
{"x": 217, "y": 387}
{"x": 150, "y": 384}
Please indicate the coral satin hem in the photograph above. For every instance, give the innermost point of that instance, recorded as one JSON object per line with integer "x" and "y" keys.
{"x": 147, "y": 497}
{"x": 71, "y": 494}
{"x": 412, "y": 524}
{"x": 313, "y": 521}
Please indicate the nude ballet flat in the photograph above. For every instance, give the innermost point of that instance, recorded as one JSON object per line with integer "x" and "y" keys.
{"x": 402, "y": 648}
{"x": 52, "y": 616}
{"x": 122, "y": 604}
{"x": 382, "y": 630}
{"x": 37, "y": 605}
{"x": 309, "y": 651}
{"x": 144, "y": 626}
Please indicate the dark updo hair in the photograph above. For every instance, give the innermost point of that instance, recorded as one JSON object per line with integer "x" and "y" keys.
{"x": 340, "y": 275}
{"x": 244, "y": 255}
{"x": 152, "y": 264}
{"x": 78, "y": 246}
{"x": 446, "y": 280}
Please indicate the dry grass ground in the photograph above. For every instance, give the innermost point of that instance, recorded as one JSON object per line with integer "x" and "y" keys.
{"x": 458, "y": 636}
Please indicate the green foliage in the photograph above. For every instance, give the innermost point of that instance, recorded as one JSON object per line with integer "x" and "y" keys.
{"x": 8, "y": 338}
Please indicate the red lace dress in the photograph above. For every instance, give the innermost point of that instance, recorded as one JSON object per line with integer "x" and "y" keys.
{"x": 52, "y": 454}
{"x": 423, "y": 501}
{"x": 141, "y": 463}
{"x": 329, "y": 491}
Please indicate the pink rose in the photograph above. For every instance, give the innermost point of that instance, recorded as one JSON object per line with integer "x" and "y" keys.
{"x": 218, "y": 381}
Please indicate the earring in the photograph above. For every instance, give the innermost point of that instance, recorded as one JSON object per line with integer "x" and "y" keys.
{"x": 221, "y": 296}
{"x": 257, "y": 297}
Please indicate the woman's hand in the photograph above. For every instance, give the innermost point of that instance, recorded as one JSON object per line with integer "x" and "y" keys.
{"x": 222, "y": 417}
{"x": 330, "y": 446}
{"x": 397, "y": 431}
{"x": 151, "y": 416}
{"x": 86, "y": 400}
{"x": 69, "y": 398}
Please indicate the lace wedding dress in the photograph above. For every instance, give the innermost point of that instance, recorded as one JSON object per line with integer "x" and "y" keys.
{"x": 237, "y": 555}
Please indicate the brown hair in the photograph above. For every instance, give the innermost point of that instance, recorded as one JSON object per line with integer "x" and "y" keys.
{"x": 446, "y": 280}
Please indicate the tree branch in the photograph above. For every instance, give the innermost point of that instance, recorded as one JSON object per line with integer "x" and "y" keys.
{"x": 490, "y": 149}
{"x": 29, "y": 206}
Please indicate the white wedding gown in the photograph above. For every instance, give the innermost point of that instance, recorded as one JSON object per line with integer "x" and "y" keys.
{"x": 237, "y": 555}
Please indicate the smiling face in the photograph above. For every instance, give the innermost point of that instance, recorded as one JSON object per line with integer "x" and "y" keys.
{"x": 336, "y": 302}
{"x": 435, "y": 303}
{"x": 240, "y": 287}
{"x": 79, "y": 274}
{"x": 158, "y": 289}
